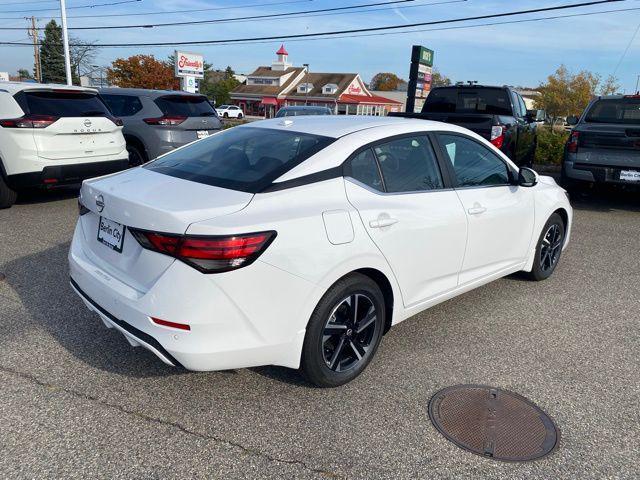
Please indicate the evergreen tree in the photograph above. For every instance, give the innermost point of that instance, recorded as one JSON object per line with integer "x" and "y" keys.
{"x": 52, "y": 54}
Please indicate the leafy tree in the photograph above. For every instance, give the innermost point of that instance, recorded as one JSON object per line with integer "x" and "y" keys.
{"x": 385, "y": 81}
{"x": 217, "y": 85}
{"x": 52, "y": 54}
{"x": 24, "y": 74}
{"x": 565, "y": 93}
{"x": 610, "y": 86}
{"x": 439, "y": 80}
{"x": 142, "y": 71}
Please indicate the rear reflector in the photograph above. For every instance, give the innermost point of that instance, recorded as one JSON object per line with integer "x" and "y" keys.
{"x": 166, "y": 120}
{"x": 208, "y": 254}
{"x": 166, "y": 323}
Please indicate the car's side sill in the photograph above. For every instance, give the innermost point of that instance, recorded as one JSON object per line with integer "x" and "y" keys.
{"x": 459, "y": 290}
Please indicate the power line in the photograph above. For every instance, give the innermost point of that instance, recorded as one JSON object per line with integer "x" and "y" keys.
{"x": 69, "y": 8}
{"x": 406, "y": 32}
{"x": 357, "y": 30}
{"x": 170, "y": 12}
{"x": 626, "y": 50}
{"x": 250, "y": 17}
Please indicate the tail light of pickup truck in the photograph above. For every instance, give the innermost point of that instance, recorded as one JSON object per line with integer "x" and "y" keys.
{"x": 572, "y": 143}
{"x": 497, "y": 135}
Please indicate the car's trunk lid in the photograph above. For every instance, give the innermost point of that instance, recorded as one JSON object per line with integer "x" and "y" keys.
{"x": 609, "y": 145}
{"x": 142, "y": 199}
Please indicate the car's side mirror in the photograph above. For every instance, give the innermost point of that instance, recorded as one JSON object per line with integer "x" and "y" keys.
{"x": 572, "y": 120}
{"x": 527, "y": 177}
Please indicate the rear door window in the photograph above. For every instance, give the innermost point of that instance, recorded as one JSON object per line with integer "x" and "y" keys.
{"x": 185, "y": 106}
{"x": 123, "y": 105}
{"x": 409, "y": 165}
{"x": 241, "y": 158}
{"x": 493, "y": 101}
{"x": 364, "y": 168}
{"x": 62, "y": 103}
{"x": 619, "y": 110}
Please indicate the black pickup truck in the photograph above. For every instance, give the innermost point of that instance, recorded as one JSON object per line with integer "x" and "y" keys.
{"x": 498, "y": 114}
{"x": 604, "y": 146}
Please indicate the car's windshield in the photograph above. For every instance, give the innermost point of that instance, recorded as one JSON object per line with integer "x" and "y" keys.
{"x": 494, "y": 101}
{"x": 615, "y": 110}
{"x": 241, "y": 158}
{"x": 62, "y": 104}
{"x": 185, "y": 106}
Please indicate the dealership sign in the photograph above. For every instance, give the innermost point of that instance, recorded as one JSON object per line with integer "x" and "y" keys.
{"x": 189, "y": 65}
{"x": 419, "y": 77}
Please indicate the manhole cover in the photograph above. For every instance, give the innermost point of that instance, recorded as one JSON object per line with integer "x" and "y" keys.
{"x": 494, "y": 423}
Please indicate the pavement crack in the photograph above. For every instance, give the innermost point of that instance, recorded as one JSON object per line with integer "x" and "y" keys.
{"x": 151, "y": 419}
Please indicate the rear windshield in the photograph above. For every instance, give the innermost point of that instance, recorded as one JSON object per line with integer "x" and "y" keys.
{"x": 619, "y": 110}
{"x": 493, "y": 101}
{"x": 294, "y": 112}
{"x": 241, "y": 158}
{"x": 185, "y": 106}
{"x": 62, "y": 104}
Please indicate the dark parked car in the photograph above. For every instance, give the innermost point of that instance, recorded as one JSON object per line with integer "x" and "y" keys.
{"x": 498, "y": 114}
{"x": 303, "y": 110}
{"x": 604, "y": 145}
{"x": 158, "y": 121}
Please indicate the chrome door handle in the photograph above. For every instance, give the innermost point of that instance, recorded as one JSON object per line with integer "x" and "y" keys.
{"x": 476, "y": 210}
{"x": 383, "y": 222}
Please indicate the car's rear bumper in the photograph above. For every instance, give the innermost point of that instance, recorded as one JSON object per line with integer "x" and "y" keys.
{"x": 249, "y": 317}
{"x": 57, "y": 175}
{"x": 596, "y": 173}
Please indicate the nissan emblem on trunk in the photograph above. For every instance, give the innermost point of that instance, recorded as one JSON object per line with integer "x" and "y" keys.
{"x": 100, "y": 203}
{"x": 87, "y": 123}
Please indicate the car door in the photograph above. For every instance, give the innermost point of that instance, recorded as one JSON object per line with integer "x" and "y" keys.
{"x": 500, "y": 215}
{"x": 418, "y": 224}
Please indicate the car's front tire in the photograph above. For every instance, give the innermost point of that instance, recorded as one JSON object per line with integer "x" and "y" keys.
{"x": 548, "y": 249}
{"x": 225, "y": 115}
{"x": 344, "y": 332}
{"x": 7, "y": 196}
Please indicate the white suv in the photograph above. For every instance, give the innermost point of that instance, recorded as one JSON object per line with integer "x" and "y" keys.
{"x": 229, "y": 111}
{"x": 52, "y": 135}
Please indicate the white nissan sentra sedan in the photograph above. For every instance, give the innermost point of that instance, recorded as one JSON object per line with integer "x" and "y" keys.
{"x": 301, "y": 242}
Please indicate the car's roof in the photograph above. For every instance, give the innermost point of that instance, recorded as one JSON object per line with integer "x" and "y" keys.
{"x": 144, "y": 91}
{"x": 15, "y": 87}
{"x": 337, "y": 126}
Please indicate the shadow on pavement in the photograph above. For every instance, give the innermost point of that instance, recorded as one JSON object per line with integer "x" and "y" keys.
{"x": 605, "y": 198}
{"x": 39, "y": 195}
{"x": 41, "y": 281}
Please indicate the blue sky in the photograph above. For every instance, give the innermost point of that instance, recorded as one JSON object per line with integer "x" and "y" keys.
{"x": 516, "y": 54}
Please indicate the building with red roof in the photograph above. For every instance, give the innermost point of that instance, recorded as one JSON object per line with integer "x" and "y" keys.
{"x": 268, "y": 89}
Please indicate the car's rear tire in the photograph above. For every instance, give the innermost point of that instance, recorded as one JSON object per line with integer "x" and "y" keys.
{"x": 136, "y": 155}
{"x": 344, "y": 332}
{"x": 240, "y": 116}
{"x": 7, "y": 196}
{"x": 548, "y": 248}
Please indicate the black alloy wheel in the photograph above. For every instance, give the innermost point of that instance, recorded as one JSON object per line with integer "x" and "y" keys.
{"x": 348, "y": 332}
{"x": 551, "y": 247}
{"x": 344, "y": 332}
{"x": 548, "y": 249}
{"x": 136, "y": 157}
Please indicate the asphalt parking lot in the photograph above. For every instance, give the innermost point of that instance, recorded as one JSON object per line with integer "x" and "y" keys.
{"x": 77, "y": 401}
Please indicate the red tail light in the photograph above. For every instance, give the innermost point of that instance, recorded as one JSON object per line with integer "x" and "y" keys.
{"x": 572, "y": 143}
{"x": 117, "y": 121}
{"x": 497, "y": 135}
{"x": 166, "y": 120}
{"x": 29, "y": 121}
{"x": 166, "y": 323}
{"x": 208, "y": 254}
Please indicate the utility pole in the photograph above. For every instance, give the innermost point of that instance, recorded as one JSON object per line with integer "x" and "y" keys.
{"x": 65, "y": 41}
{"x": 306, "y": 82}
{"x": 637, "y": 83}
{"x": 33, "y": 33}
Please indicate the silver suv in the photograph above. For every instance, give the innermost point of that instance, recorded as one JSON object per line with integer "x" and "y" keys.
{"x": 158, "y": 121}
